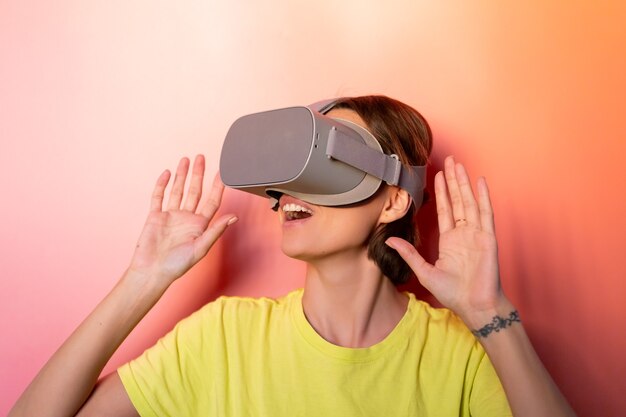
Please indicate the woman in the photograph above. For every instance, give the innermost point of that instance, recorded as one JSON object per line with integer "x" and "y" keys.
{"x": 349, "y": 343}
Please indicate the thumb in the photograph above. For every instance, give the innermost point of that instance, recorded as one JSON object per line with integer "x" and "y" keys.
{"x": 411, "y": 256}
{"x": 204, "y": 242}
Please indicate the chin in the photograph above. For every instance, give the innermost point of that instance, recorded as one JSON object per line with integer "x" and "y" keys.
{"x": 317, "y": 251}
{"x": 297, "y": 251}
{"x": 304, "y": 250}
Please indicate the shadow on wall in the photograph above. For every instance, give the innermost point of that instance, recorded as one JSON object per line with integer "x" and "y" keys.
{"x": 538, "y": 267}
{"x": 428, "y": 233}
{"x": 252, "y": 262}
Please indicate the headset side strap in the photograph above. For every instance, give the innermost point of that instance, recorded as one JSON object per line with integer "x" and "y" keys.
{"x": 385, "y": 167}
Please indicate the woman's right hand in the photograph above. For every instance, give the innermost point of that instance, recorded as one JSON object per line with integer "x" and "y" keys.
{"x": 176, "y": 236}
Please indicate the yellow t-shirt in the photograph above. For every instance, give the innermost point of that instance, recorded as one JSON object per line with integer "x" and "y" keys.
{"x": 260, "y": 357}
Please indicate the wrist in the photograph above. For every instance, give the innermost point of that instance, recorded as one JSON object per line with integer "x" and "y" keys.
{"x": 492, "y": 319}
{"x": 144, "y": 284}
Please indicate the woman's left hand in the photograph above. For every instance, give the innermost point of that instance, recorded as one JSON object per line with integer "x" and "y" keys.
{"x": 465, "y": 278}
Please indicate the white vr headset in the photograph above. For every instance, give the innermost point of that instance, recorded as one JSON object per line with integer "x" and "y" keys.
{"x": 320, "y": 160}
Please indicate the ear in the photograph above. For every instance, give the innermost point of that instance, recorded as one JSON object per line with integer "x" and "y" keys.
{"x": 397, "y": 203}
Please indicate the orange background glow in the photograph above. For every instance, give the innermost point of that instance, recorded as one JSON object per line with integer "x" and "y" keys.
{"x": 96, "y": 98}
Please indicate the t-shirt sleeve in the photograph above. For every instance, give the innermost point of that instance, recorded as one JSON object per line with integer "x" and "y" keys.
{"x": 166, "y": 379}
{"x": 487, "y": 398}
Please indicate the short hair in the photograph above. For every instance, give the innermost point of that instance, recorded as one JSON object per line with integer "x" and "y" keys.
{"x": 400, "y": 130}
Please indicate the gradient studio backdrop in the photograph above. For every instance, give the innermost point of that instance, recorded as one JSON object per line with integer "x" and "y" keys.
{"x": 96, "y": 98}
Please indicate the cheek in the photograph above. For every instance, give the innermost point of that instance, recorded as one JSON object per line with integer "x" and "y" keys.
{"x": 351, "y": 230}
{"x": 347, "y": 230}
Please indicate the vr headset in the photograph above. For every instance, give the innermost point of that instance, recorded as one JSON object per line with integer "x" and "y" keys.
{"x": 318, "y": 159}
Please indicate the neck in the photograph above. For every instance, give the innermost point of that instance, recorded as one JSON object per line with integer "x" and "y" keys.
{"x": 351, "y": 304}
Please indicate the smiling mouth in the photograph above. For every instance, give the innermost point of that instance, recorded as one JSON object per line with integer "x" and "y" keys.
{"x": 295, "y": 212}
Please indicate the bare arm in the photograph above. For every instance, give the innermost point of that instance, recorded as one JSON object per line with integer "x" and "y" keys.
{"x": 172, "y": 241}
{"x": 466, "y": 279}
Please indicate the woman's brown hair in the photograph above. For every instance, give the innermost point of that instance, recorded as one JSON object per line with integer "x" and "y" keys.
{"x": 400, "y": 130}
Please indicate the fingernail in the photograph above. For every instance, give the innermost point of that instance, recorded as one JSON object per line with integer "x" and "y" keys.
{"x": 390, "y": 244}
{"x": 232, "y": 220}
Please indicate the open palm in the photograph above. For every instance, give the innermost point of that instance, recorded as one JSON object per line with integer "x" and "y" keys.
{"x": 175, "y": 239}
{"x": 465, "y": 277}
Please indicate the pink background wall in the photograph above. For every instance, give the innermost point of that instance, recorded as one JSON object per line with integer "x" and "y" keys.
{"x": 96, "y": 98}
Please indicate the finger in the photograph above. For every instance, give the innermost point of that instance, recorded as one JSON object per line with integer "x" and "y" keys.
{"x": 215, "y": 198}
{"x": 444, "y": 210}
{"x": 212, "y": 233}
{"x": 156, "y": 200}
{"x": 194, "y": 193}
{"x": 486, "y": 209}
{"x": 421, "y": 268}
{"x": 456, "y": 200}
{"x": 178, "y": 188}
{"x": 470, "y": 206}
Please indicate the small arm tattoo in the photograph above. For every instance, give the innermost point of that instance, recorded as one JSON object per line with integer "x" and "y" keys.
{"x": 497, "y": 323}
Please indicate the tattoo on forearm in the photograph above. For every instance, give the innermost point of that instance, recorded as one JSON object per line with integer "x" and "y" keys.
{"x": 497, "y": 323}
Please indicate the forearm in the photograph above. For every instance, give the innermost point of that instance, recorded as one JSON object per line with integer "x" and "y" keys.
{"x": 529, "y": 388}
{"x": 68, "y": 378}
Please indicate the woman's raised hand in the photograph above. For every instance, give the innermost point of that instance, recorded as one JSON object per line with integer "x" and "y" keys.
{"x": 465, "y": 278}
{"x": 176, "y": 236}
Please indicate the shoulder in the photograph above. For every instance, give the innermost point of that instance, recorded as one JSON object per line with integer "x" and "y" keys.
{"x": 456, "y": 361}
{"x": 244, "y": 309}
{"x": 243, "y": 305}
{"x": 440, "y": 325}
{"x": 229, "y": 317}
{"x": 435, "y": 316}
{"x": 447, "y": 342}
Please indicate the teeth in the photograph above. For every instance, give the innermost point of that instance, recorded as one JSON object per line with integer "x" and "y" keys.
{"x": 295, "y": 207}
